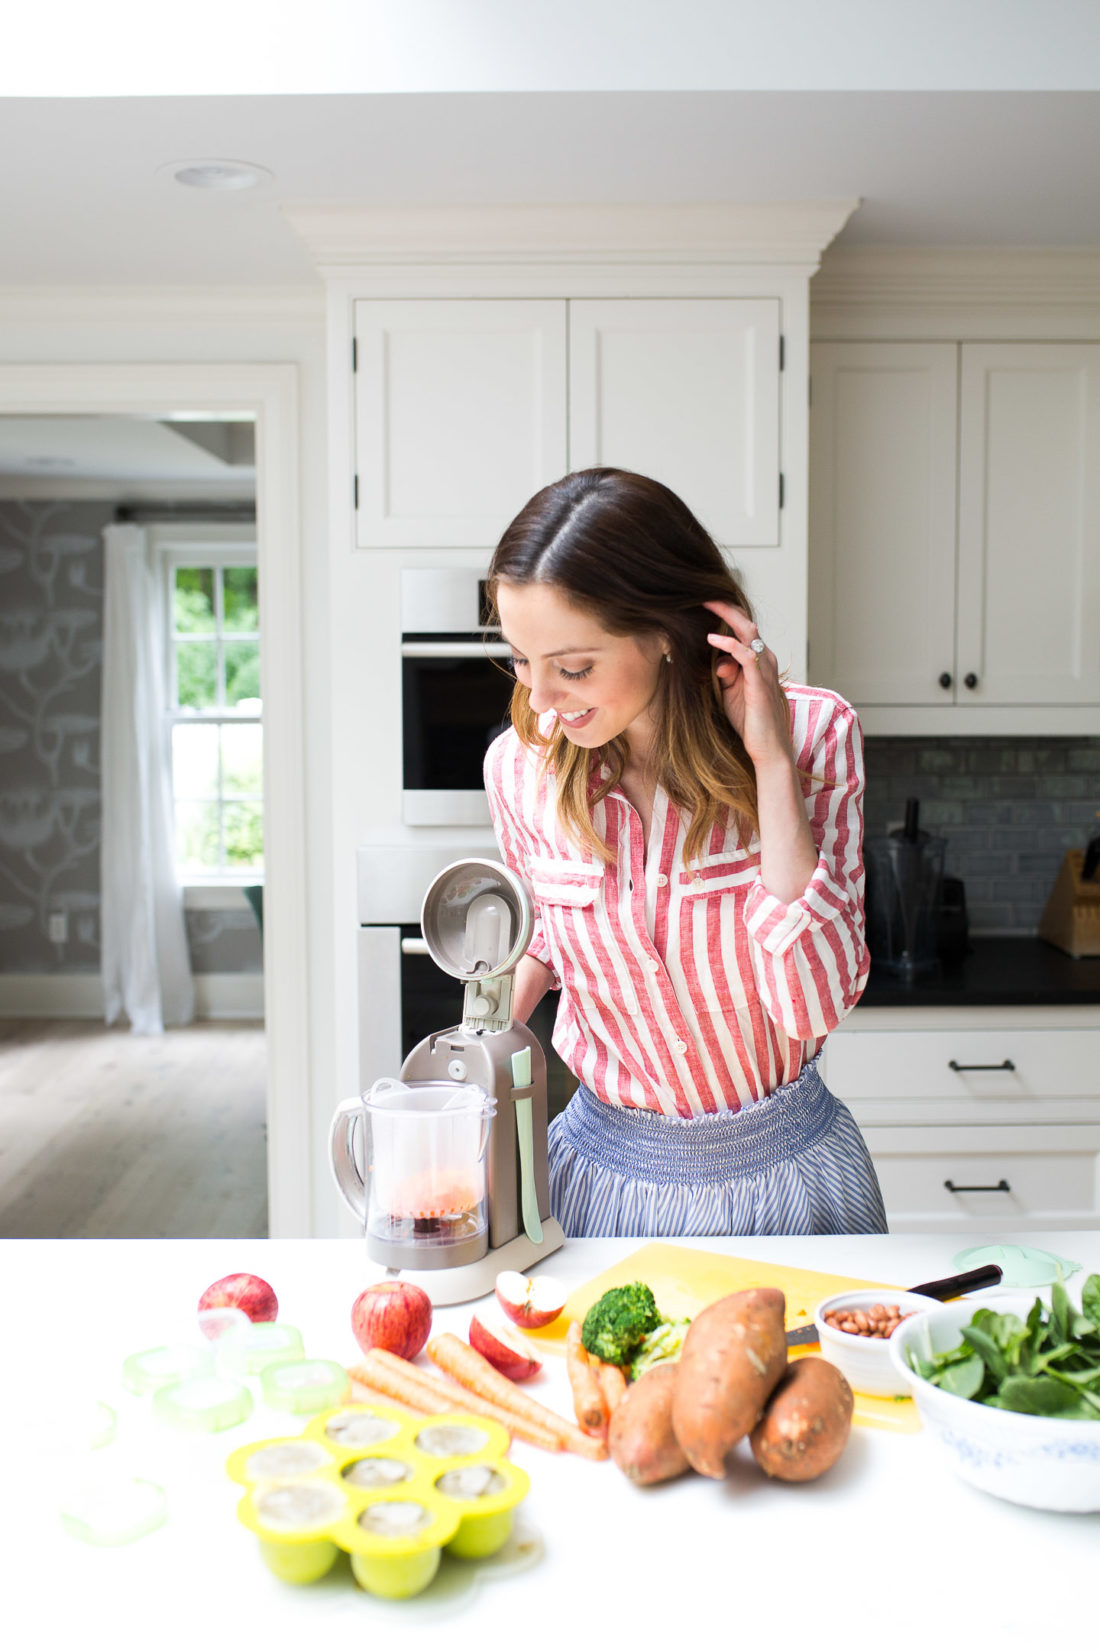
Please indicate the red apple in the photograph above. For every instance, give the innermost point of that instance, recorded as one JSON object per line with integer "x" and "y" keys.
{"x": 493, "y": 1336}
{"x": 394, "y": 1316}
{"x": 244, "y": 1290}
{"x": 530, "y": 1302}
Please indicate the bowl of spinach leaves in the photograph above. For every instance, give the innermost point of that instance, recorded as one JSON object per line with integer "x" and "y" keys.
{"x": 1011, "y": 1392}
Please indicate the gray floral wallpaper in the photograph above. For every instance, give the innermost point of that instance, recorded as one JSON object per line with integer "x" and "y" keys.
{"x": 51, "y": 646}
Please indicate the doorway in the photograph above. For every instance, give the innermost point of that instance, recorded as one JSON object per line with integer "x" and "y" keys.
{"x": 265, "y": 397}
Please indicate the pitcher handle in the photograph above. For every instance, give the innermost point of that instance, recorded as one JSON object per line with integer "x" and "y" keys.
{"x": 342, "y": 1154}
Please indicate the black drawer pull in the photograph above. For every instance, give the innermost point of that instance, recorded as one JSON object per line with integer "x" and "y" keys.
{"x": 1004, "y": 1065}
{"x": 1001, "y": 1186}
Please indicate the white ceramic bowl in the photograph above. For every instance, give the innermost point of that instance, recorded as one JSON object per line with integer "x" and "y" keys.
{"x": 865, "y": 1362}
{"x": 1034, "y": 1460}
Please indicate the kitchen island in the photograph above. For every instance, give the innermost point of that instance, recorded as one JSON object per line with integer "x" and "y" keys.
{"x": 889, "y": 1536}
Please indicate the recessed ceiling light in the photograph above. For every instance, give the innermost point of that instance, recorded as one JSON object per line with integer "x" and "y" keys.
{"x": 216, "y": 174}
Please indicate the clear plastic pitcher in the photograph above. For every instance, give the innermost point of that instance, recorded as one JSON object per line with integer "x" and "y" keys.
{"x": 424, "y": 1182}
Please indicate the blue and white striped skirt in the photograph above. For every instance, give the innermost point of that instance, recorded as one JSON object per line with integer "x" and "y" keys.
{"x": 793, "y": 1163}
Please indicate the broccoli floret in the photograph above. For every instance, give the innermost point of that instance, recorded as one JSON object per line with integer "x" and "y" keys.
{"x": 616, "y": 1325}
{"x": 662, "y": 1345}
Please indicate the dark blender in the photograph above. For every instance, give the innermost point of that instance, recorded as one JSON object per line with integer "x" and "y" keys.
{"x": 904, "y": 879}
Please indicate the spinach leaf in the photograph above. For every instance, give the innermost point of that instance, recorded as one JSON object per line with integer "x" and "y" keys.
{"x": 1059, "y": 1308}
{"x": 1048, "y": 1365}
{"x": 1042, "y": 1395}
{"x": 1090, "y": 1299}
{"x": 986, "y": 1347}
{"x": 964, "y": 1378}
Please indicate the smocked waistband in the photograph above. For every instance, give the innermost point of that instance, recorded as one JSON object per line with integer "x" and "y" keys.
{"x": 718, "y": 1147}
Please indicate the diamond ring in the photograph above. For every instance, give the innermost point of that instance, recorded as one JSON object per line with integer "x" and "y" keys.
{"x": 757, "y": 646}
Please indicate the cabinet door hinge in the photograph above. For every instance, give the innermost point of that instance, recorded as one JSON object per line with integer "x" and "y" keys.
{"x": 781, "y": 489}
{"x": 355, "y": 355}
{"x": 355, "y": 492}
{"x": 782, "y": 352}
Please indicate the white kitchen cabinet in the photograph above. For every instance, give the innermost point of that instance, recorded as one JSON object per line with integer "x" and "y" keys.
{"x": 686, "y": 390}
{"x": 977, "y": 1120}
{"x": 988, "y": 1179}
{"x": 460, "y": 415}
{"x": 954, "y": 572}
{"x": 1029, "y": 524}
{"x": 461, "y": 410}
{"x": 882, "y": 520}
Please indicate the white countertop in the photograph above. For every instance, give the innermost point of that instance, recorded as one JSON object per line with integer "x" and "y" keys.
{"x": 889, "y": 1534}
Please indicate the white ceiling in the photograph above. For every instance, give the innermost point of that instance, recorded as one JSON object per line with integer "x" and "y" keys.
{"x": 56, "y": 454}
{"x": 86, "y": 204}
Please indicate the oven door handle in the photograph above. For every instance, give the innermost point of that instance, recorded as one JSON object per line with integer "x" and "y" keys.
{"x": 415, "y": 948}
{"x": 455, "y": 650}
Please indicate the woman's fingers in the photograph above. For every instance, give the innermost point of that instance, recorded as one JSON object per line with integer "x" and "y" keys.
{"x": 738, "y": 621}
{"x": 741, "y": 651}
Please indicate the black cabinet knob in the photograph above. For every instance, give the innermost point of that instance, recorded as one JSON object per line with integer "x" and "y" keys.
{"x": 970, "y": 679}
{"x": 945, "y": 679}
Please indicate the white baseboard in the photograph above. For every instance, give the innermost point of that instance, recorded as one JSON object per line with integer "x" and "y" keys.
{"x": 80, "y": 997}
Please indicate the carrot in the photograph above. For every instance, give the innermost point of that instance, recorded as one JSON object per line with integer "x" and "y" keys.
{"x": 589, "y": 1405}
{"x": 477, "y": 1374}
{"x": 397, "y": 1388}
{"x": 436, "y": 1395}
{"x": 363, "y": 1394}
{"x": 612, "y": 1381}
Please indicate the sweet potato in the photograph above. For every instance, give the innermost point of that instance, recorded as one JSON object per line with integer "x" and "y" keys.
{"x": 806, "y": 1422}
{"x": 640, "y": 1437}
{"x": 732, "y": 1358}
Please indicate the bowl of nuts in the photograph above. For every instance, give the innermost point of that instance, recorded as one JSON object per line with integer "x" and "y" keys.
{"x": 855, "y": 1330}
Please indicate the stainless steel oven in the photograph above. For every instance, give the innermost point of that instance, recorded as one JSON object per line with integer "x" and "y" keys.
{"x": 402, "y": 994}
{"x": 455, "y": 689}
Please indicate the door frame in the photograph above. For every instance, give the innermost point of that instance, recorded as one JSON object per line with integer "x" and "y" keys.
{"x": 269, "y": 393}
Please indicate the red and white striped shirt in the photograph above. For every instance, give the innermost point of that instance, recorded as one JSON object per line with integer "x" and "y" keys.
{"x": 689, "y": 989}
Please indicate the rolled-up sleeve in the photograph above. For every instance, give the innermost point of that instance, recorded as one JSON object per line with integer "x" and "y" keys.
{"x": 504, "y": 781}
{"x": 810, "y": 954}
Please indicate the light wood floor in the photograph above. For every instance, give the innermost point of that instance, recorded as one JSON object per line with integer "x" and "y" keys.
{"x": 108, "y": 1135}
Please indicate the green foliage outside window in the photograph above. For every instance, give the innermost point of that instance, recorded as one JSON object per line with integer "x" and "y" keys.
{"x": 212, "y": 679}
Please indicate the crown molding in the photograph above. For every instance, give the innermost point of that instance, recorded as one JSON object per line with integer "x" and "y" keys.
{"x": 163, "y": 305}
{"x": 339, "y": 237}
{"x": 904, "y": 275}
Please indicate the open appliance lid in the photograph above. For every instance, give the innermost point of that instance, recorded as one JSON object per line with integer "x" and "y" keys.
{"x": 476, "y": 919}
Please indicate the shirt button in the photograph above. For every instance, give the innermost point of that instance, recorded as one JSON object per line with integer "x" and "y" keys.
{"x": 653, "y": 964}
{"x": 682, "y": 1047}
{"x": 696, "y": 882}
{"x": 662, "y": 880}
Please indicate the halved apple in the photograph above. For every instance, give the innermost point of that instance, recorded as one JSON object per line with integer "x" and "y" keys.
{"x": 530, "y": 1302}
{"x": 493, "y": 1336}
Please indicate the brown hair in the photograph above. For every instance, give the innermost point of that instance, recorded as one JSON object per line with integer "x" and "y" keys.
{"x": 626, "y": 549}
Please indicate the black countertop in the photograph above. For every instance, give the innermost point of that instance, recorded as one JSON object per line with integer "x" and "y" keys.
{"x": 995, "y": 971}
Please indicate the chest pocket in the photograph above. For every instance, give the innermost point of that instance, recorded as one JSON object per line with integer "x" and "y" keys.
{"x": 569, "y": 884}
{"x": 719, "y": 873}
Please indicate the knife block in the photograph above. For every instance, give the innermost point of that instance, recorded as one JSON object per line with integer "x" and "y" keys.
{"x": 1071, "y": 920}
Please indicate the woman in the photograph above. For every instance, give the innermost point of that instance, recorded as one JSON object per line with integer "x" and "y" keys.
{"x": 691, "y": 828}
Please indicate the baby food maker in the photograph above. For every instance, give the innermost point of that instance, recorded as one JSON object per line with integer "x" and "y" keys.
{"x": 446, "y": 1164}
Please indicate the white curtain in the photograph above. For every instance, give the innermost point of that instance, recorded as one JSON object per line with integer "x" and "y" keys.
{"x": 145, "y": 964}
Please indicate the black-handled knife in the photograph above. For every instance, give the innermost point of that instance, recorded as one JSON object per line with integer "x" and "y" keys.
{"x": 940, "y": 1289}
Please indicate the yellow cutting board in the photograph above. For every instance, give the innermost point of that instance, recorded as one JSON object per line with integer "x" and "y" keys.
{"x": 683, "y": 1281}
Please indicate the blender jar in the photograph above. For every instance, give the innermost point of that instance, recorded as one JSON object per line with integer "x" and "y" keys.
{"x": 423, "y": 1197}
{"x": 904, "y": 875}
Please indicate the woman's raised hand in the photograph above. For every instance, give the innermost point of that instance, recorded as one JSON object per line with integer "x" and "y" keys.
{"x": 753, "y": 696}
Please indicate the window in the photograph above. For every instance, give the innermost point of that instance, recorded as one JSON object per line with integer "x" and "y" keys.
{"x": 215, "y": 710}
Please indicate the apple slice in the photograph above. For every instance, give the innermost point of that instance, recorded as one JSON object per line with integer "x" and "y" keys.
{"x": 530, "y": 1302}
{"x": 493, "y": 1336}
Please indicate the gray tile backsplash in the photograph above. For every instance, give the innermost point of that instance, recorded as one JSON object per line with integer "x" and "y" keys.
{"x": 1007, "y": 807}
